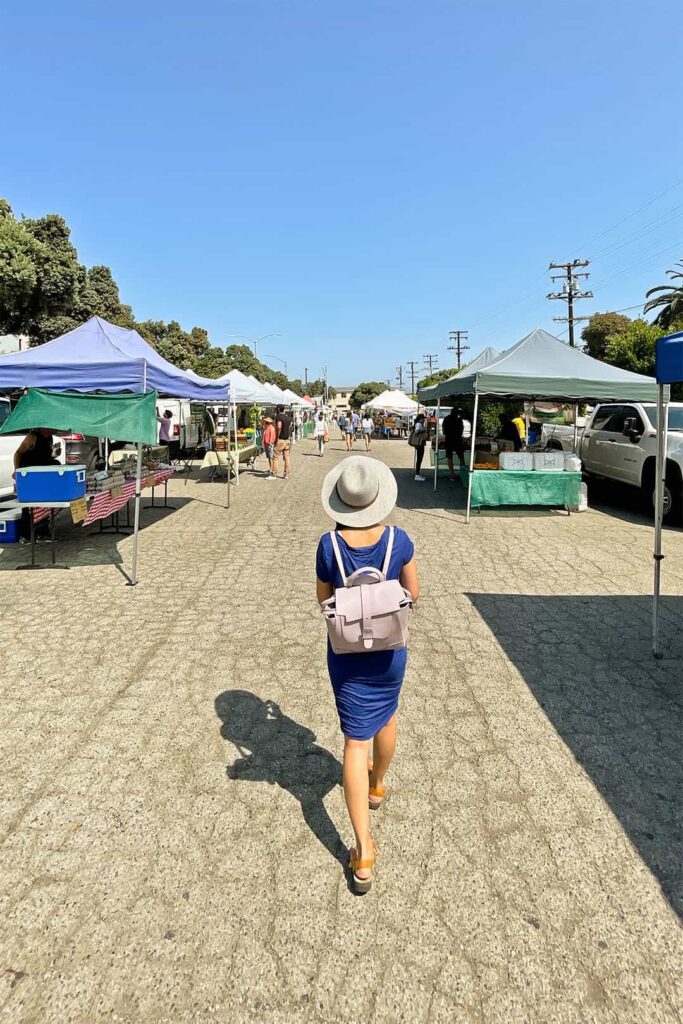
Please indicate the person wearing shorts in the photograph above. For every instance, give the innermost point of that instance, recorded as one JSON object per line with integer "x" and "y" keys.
{"x": 349, "y": 432}
{"x": 367, "y": 426}
{"x": 269, "y": 444}
{"x": 282, "y": 442}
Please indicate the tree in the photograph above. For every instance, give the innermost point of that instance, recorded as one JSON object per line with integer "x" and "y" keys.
{"x": 438, "y": 377}
{"x": 634, "y": 348}
{"x": 213, "y": 363}
{"x": 670, "y": 300}
{"x": 100, "y": 297}
{"x": 363, "y": 393}
{"x": 173, "y": 343}
{"x": 599, "y": 328}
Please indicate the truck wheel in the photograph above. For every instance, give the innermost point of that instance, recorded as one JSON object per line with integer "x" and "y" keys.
{"x": 672, "y": 497}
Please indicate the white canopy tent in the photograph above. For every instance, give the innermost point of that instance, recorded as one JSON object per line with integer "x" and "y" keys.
{"x": 540, "y": 366}
{"x": 393, "y": 401}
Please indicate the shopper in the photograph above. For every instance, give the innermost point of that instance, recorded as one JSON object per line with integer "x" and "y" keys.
{"x": 453, "y": 427}
{"x": 320, "y": 433}
{"x": 367, "y": 428}
{"x": 507, "y": 431}
{"x": 418, "y": 440}
{"x": 356, "y": 424}
{"x": 282, "y": 441}
{"x": 269, "y": 439}
{"x": 348, "y": 430}
{"x": 341, "y": 423}
{"x": 520, "y": 426}
{"x": 358, "y": 495}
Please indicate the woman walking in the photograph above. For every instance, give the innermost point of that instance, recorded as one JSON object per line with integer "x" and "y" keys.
{"x": 368, "y": 428}
{"x": 358, "y": 495}
{"x": 418, "y": 439}
{"x": 320, "y": 433}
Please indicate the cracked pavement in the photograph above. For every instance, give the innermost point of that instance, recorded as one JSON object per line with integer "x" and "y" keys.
{"x": 171, "y": 819}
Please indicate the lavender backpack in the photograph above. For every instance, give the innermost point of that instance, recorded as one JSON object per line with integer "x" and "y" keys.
{"x": 369, "y": 612}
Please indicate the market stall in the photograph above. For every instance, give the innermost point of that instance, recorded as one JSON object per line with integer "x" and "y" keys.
{"x": 668, "y": 371}
{"x": 539, "y": 367}
{"x": 118, "y": 417}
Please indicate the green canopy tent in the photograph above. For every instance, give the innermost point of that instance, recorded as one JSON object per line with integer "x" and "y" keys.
{"x": 119, "y": 417}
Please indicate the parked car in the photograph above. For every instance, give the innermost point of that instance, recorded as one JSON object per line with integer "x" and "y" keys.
{"x": 620, "y": 443}
{"x": 81, "y": 450}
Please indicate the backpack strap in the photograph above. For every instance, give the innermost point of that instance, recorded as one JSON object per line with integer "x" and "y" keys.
{"x": 337, "y": 554}
{"x": 390, "y": 548}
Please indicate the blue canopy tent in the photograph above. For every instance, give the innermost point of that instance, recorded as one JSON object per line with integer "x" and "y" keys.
{"x": 99, "y": 356}
{"x": 668, "y": 371}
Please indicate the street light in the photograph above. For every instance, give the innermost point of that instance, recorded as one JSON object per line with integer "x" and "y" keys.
{"x": 255, "y": 341}
{"x": 283, "y": 361}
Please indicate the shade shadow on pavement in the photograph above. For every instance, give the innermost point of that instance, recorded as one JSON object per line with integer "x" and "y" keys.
{"x": 277, "y": 750}
{"x": 588, "y": 662}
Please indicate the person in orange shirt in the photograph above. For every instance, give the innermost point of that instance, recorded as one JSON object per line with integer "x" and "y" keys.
{"x": 269, "y": 438}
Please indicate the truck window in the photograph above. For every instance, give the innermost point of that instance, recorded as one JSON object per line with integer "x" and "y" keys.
{"x": 609, "y": 417}
{"x": 675, "y": 416}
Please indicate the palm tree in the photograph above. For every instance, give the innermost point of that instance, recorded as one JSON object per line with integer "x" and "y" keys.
{"x": 671, "y": 298}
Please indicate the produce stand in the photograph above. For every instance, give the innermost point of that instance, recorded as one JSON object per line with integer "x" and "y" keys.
{"x": 493, "y": 488}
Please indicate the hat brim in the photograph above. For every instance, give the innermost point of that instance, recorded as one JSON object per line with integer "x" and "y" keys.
{"x": 347, "y": 515}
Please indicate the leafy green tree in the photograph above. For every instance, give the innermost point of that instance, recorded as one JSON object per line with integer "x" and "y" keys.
{"x": 670, "y": 301}
{"x": 600, "y": 327}
{"x": 437, "y": 378}
{"x": 634, "y": 348}
{"x": 365, "y": 393}
{"x": 182, "y": 348}
{"x": 99, "y": 296}
{"x": 213, "y": 363}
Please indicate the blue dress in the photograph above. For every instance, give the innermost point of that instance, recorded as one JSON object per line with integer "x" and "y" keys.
{"x": 366, "y": 686}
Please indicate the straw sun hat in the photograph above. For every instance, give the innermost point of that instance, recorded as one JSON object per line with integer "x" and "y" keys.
{"x": 359, "y": 492}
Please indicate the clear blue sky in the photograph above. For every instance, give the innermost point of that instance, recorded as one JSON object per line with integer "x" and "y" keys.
{"x": 362, "y": 176}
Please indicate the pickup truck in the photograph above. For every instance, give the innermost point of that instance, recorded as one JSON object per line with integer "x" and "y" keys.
{"x": 619, "y": 442}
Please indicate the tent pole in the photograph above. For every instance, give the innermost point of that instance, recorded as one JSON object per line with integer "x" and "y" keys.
{"x": 436, "y": 438}
{"x": 237, "y": 461}
{"x": 576, "y": 429}
{"x": 660, "y": 477}
{"x": 526, "y": 424}
{"x": 136, "y": 527}
{"x": 471, "y": 465}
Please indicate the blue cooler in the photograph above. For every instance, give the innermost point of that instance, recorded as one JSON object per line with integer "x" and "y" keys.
{"x": 50, "y": 483}
{"x": 9, "y": 526}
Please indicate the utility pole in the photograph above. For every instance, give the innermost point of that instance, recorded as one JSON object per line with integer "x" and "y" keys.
{"x": 571, "y": 290}
{"x": 431, "y": 359}
{"x": 413, "y": 374}
{"x": 399, "y": 376}
{"x": 325, "y": 402}
{"x": 305, "y": 378}
{"x": 458, "y": 338}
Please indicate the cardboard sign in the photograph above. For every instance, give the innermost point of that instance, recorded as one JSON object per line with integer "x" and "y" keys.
{"x": 116, "y": 492}
{"x": 149, "y": 482}
{"x": 79, "y": 510}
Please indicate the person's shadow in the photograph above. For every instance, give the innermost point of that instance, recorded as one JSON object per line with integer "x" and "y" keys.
{"x": 278, "y": 750}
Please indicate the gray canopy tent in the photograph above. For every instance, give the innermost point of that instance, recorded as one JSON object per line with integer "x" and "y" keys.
{"x": 541, "y": 367}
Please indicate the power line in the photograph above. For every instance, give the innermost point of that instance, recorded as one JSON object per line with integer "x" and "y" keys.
{"x": 458, "y": 338}
{"x": 571, "y": 290}
{"x": 411, "y": 364}
{"x": 430, "y": 361}
{"x": 630, "y": 215}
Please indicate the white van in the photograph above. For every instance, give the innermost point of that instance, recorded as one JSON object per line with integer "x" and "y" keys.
{"x": 187, "y": 421}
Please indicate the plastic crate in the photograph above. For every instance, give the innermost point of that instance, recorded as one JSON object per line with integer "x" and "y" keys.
{"x": 50, "y": 483}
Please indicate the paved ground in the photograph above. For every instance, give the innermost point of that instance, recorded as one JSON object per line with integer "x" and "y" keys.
{"x": 171, "y": 817}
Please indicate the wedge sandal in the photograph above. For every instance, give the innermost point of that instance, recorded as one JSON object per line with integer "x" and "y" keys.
{"x": 361, "y": 885}
{"x": 375, "y": 796}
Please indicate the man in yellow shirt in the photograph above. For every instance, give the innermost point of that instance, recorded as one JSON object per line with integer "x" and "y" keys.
{"x": 521, "y": 429}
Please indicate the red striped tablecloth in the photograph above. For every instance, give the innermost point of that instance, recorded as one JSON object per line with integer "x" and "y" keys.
{"x": 104, "y": 504}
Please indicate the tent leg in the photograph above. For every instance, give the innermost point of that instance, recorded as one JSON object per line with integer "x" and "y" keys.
{"x": 138, "y": 486}
{"x": 436, "y": 439}
{"x": 237, "y": 461}
{"x": 471, "y": 465}
{"x": 576, "y": 430}
{"x": 526, "y": 424}
{"x": 660, "y": 478}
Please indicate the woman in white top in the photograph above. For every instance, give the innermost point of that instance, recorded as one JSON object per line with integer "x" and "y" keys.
{"x": 320, "y": 433}
{"x": 368, "y": 427}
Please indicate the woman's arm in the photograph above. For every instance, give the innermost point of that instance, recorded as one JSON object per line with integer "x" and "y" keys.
{"x": 26, "y": 445}
{"x": 409, "y": 579}
{"x": 323, "y": 590}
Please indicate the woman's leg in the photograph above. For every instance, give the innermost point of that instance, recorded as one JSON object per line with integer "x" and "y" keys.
{"x": 420, "y": 456}
{"x": 383, "y": 748}
{"x": 356, "y": 787}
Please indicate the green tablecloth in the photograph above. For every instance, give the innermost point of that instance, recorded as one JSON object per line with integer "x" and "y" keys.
{"x": 516, "y": 487}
